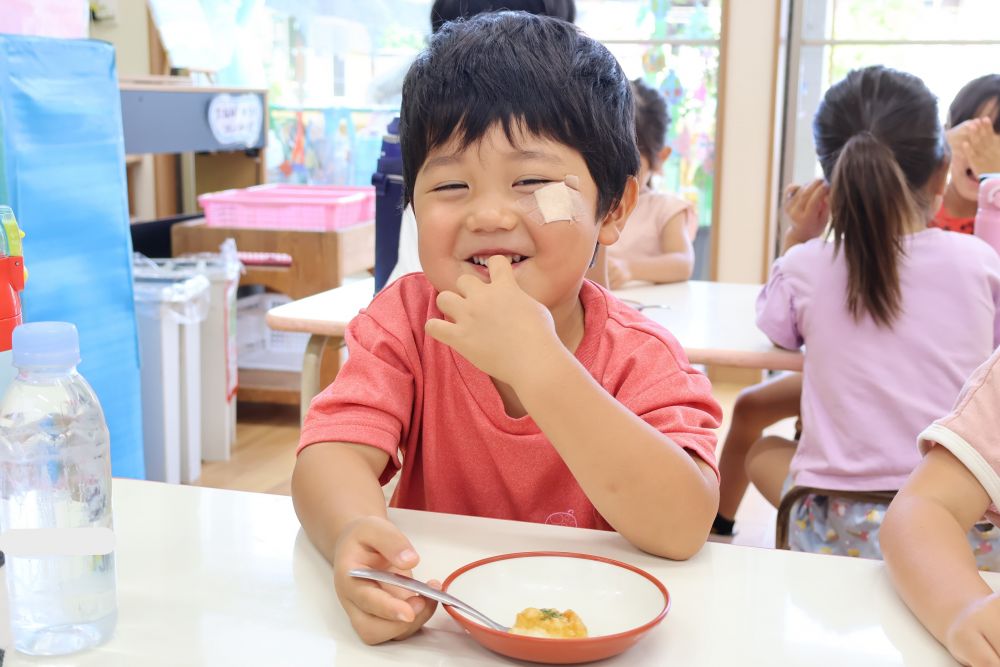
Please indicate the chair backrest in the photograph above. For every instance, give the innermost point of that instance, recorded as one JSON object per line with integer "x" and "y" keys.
{"x": 798, "y": 493}
{"x": 388, "y": 182}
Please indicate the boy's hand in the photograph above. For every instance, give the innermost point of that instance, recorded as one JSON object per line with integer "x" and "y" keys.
{"x": 618, "y": 273}
{"x": 981, "y": 146}
{"x": 974, "y": 637}
{"x": 497, "y": 326}
{"x": 378, "y": 612}
{"x": 807, "y": 209}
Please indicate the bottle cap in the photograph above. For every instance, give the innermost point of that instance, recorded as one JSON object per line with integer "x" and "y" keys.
{"x": 46, "y": 345}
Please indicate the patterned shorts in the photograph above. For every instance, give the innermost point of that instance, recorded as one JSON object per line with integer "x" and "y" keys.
{"x": 846, "y": 527}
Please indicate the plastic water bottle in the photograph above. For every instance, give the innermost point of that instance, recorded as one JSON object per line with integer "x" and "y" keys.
{"x": 55, "y": 472}
{"x": 987, "y": 225}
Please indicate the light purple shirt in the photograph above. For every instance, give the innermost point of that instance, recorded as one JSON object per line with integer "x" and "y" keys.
{"x": 869, "y": 391}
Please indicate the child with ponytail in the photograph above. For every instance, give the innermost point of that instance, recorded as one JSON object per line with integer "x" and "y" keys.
{"x": 894, "y": 315}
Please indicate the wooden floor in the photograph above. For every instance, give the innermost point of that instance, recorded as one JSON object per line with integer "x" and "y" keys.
{"x": 264, "y": 453}
{"x": 266, "y": 437}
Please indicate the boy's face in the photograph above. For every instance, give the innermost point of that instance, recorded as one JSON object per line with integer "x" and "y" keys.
{"x": 467, "y": 206}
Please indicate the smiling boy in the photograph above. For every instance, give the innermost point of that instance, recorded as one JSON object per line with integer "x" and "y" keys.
{"x": 499, "y": 382}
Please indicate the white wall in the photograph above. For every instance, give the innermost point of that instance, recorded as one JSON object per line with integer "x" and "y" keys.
{"x": 129, "y": 33}
{"x": 745, "y": 171}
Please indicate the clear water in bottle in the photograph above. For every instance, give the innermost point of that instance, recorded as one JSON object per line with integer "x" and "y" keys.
{"x": 55, "y": 472}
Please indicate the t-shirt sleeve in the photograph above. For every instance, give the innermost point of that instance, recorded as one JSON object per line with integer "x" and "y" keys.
{"x": 994, "y": 275}
{"x": 776, "y": 313}
{"x": 675, "y": 207}
{"x": 972, "y": 431}
{"x": 371, "y": 400}
{"x": 657, "y": 383}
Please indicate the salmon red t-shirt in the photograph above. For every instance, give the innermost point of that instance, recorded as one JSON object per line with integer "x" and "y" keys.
{"x": 442, "y": 422}
{"x": 950, "y": 223}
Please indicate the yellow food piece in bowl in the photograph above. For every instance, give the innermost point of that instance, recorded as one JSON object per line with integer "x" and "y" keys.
{"x": 549, "y": 623}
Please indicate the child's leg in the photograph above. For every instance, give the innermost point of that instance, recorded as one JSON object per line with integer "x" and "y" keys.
{"x": 767, "y": 466}
{"x": 756, "y": 408}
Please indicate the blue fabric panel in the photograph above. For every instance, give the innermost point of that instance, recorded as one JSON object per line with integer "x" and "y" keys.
{"x": 63, "y": 152}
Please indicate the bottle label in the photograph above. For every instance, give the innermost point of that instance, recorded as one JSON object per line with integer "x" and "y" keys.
{"x": 48, "y": 542}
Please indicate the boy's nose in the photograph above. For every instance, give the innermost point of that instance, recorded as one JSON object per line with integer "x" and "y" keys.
{"x": 492, "y": 219}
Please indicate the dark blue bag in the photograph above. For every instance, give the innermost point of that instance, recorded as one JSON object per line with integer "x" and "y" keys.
{"x": 388, "y": 182}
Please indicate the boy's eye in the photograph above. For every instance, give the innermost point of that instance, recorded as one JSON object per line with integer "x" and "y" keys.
{"x": 528, "y": 182}
{"x": 449, "y": 186}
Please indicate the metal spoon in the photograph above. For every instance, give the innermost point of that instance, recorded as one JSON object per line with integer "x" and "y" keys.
{"x": 640, "y": 306}
{"x": 420, "y": 587}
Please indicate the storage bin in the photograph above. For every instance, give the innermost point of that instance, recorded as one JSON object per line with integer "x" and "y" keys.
{"x": 169, "y": 312}
{"x": 259, "y": 346}
{"x": 279, "y": 206}
{"x": 218, "y": 341}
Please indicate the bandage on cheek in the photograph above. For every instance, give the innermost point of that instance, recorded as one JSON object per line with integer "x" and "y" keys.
{"x": 556, "y": 202}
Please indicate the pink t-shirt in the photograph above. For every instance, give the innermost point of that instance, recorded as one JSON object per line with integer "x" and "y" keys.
{"x": 642, "y": 234}
{"x": 442, "y": 421}
{"x": 972, "y": 431}
{"x": 867, "y": 391}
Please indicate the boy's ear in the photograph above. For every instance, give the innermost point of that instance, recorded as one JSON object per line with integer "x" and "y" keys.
{"x": 614, "y": 220}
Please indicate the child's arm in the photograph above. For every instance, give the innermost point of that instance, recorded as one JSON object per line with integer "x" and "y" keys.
{"x": 924, "y": 544}
{"x": 654, "y": 493}
{"x": 340, "y": 504}
{"x": 675, "y": 263}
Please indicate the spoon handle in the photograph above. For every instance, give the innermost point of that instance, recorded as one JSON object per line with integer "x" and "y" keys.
{"x": 423, "y": 589}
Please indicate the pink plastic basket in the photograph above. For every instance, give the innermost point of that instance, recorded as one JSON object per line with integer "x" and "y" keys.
{"x": 278, "y": 206}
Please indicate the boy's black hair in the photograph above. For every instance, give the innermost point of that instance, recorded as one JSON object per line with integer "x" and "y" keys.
{"x": 651, "y": 120}
{"x": 531, "y": 73}
{"x": 974, "y": 95}
{"x": 443, "y": 11}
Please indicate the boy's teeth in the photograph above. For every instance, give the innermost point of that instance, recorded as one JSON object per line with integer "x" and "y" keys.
{"x": 482, "y": 259}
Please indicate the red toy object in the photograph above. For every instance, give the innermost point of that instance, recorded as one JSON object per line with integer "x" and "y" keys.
{"x": 12, "y": 276}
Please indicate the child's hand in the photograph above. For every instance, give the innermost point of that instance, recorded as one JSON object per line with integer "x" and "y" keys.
{"x": 378, "y": 612}
{"x": 974, "y": 637}
{"x": 497, "y": 326}
{"x": 807, "y": 209}
{"x": 618, "y": 273}
{"x": 981, "y": 146}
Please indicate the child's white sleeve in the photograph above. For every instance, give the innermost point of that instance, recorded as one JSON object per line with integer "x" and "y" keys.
{"x": 972, "y": 431}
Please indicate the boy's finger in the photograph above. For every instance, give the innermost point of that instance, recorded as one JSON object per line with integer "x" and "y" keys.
{"x": 372, "y": 629}
{"x": 500, "y": 268}
{"x": 449, "y": 303}
{"x": 441, "y": 331}
{"x": 375, "y": 601}
{"x": 384, "y": 538}
{"x": 466, "y": 284}
{"x": 977, "y": 651}
{"x": 424, "y": 615}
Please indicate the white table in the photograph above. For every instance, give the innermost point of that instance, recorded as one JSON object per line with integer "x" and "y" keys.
{"x": 714, "y": 322}
{"x": 211, "y": 577}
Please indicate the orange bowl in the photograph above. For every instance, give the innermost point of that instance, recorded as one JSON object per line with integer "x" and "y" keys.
{"x": 619, "y": 603}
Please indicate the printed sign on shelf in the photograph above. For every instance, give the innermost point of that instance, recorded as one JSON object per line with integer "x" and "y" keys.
{"x": 236, "y": 119}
